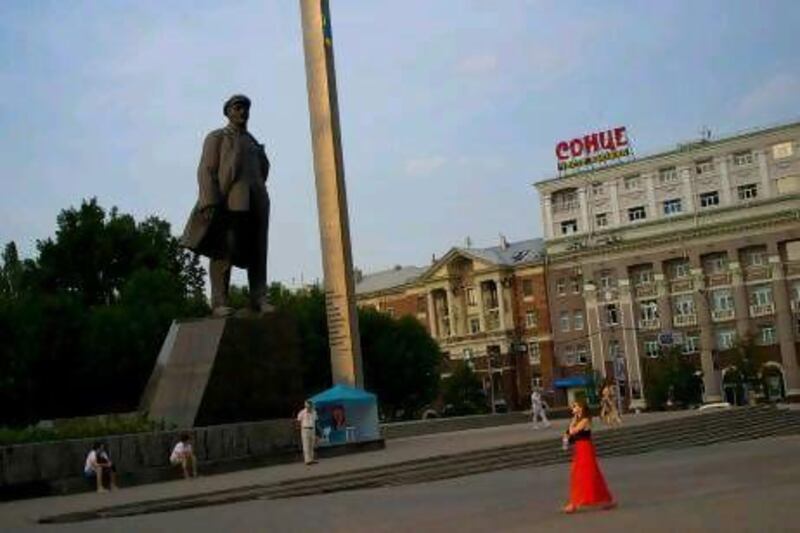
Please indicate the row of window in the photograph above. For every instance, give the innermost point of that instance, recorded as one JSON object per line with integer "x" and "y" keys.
{"x": 571, "y": 321}
{"x": 669, "y": 207}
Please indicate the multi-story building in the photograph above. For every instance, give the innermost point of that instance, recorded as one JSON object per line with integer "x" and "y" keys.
{"x": 484, "y": 306}
{"x": 703, "y": 240}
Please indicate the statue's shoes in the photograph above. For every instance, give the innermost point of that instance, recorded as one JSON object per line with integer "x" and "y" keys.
{"x": 222, "y": 311}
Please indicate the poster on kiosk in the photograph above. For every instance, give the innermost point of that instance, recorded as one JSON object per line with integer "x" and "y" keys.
{"x": 345, "y": 415}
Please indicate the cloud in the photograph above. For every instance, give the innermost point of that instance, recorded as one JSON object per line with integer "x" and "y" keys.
{"x": 777, "y": 91}
{"x": 477, "y": 64}
{"x": 423, "y": 166}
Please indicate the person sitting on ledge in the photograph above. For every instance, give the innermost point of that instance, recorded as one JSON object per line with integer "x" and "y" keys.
{"x": 183, "y": 455}
{"x": 99, "y": 466}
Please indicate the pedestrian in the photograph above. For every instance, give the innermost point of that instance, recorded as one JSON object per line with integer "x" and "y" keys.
{"x": 98, "y": 467}
{"x": 587, "y": 486}
{"x": 183, "y": 455}
{"x": 609, "y": 413}
{"x": 538, "y": 410}
{"x": 307, "y": 420}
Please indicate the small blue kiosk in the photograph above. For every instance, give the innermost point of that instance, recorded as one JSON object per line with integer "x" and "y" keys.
{"x": 346, "y": 415}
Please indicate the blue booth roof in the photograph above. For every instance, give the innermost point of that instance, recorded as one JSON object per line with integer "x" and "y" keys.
{"x": 573, "y": 381}
{"x": 343, "y": 393}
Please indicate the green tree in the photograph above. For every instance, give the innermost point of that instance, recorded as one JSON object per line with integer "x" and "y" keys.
{"x": 82, "y": 322}
{"x": 401, "y": 362}
{"x": 462, "y": 391}
{"x": 671, "y": 377}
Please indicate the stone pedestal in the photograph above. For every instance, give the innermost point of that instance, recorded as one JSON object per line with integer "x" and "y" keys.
{"x": 223, "y": 370}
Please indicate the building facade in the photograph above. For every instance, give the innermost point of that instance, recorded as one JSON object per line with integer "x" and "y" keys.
{"x": 698, "y": 246}
{"x": 486, "y": 307}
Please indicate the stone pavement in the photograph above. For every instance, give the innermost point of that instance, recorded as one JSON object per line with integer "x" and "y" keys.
{"x": 20, "y": 513}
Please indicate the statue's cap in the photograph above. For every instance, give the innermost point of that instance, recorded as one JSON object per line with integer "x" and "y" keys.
{"x": 235, "y": 99}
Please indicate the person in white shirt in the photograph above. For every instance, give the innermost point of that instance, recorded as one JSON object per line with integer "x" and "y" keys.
{"x": 307, "y": 419}
{"x": 183, "y": 454}
{"x": 98, "y": 465}
{"x": 537, "y": 410}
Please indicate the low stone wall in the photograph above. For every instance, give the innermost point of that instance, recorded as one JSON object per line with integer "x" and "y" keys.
{"x": 56, "y": 467}
{"x": 39, "y": 469}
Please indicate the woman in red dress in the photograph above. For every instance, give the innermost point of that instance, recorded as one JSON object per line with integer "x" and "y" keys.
{"x": 587, "y": 487}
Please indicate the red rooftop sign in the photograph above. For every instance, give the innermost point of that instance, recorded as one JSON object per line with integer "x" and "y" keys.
{"x": 593, "y": 149}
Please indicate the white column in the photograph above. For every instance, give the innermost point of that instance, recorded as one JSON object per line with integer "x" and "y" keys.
{"x": 688, "y": 192}
{"x": 650, "y": 189}
{"x": 725, "y": 182}
{"x": 432, "y": 315}
{"x": 584, "y": 225}
{"x": 613, "y": 188}
{"x": 501, "y": 307}
{"x": 547, "y": 216}
{"x": 481, "y": 315}
{"x": 451, "y": 312}
{"x": 763, "y": 171}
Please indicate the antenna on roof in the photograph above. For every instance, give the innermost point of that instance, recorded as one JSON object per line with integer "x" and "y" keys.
{"x": 705, "y": 133}
{"x": 468, "y": 242}
{"x": 503, "y": 242}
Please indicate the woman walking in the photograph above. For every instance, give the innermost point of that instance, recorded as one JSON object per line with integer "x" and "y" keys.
{"x": 608, "y": 406}
{"x": 587, "y": 487}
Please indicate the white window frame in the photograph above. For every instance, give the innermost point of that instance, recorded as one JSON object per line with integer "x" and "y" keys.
{"x": 683, "y": 305}
{"x": 613, "y": 309}
{"x": 598, "y": 189}
{"x": 648, "y": 310}
{"x": 673, "y": 206}
{"x": 534, "y": 353}
{"x": 527, "y": 282}
{"x": 761, "y": 295}
{"x": 722, "y": 300}
{"x": 756, "y": 257}
{"x": 652, "y": 349}
{"x": 709, "y": 199}
{"x": 578, "y": 322}
{"x": 561, "y": 286}
{"x": 581, "y": 354}
{"x": 681, "y": 269}
{"x": 741, "y": 159}
{"x": 635, "y": 214}
{"x": 576, "y": 283}
{"x": 471, "y": 299}
{"x": 667, "y": 175}
{"x": 704, "y": 166}
{"x": 614, "y": 350}
{"x": 564, "y": 321}
{"x": 746, "y": 192}
{"x": 569, "y": 227}
{"x": 725, "y": 338}
{"x": 632, "y": 183}
{"x": 691, "y": 344}
{"x": 601, "y": 220}
{"x": 474, "y": 330}
{"x": 530, "y": 319}
{"x": 765, "y": 339}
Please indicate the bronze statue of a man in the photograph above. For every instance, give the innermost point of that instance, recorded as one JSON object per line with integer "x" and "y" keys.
{"x": 230, "y": 222}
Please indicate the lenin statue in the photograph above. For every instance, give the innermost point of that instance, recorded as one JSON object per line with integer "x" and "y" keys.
{"x": 230, "y": 221}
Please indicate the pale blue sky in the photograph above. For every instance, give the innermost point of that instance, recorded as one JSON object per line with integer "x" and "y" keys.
{"x": 450, "y": 109}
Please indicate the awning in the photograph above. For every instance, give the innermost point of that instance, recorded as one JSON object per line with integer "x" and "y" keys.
{"x": 572, "y": 382}
{"x": 342, "y": 393}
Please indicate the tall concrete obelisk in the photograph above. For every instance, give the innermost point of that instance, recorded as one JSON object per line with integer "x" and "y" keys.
{"x": 337, "y": 260}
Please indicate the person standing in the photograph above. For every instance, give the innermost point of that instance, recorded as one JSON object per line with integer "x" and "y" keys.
{"x": 307, "y": 418}
{"x": 609, "y": 413}
{"x": 537, "y": 410}
{"x": 587, "y": 486}
{"x": 183, "y": 454}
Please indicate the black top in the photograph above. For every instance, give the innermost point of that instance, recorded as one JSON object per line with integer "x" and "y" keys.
{"x": 584, "y": 434}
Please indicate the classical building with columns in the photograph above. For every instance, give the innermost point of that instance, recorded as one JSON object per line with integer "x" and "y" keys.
{"x": 702, "y": 240}
{"x": 484, "y": 306}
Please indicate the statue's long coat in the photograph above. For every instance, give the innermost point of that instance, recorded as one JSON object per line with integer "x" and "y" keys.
{"x": 221, "y": 186}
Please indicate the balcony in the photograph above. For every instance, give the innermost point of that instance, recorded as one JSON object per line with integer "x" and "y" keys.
{"x": 757, "y": 273}
{"x": 565, "y": 206}
{"x": 719, "y": 280}
{"x": 793, "y": 268}
{"x": 649, "y": 323}
{"x": 684, "y": 320}
{"x": 648, "y": 290}
{"x": 681, "y": 285}
{"x": 721, "y": 315}
{"x": 762, "y": 310}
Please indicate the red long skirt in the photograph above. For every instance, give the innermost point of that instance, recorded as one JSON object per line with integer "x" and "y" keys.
{"x": 587, "y": 486}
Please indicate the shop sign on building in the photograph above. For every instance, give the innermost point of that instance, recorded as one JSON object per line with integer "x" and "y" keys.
{"x": 593, "y": 149}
